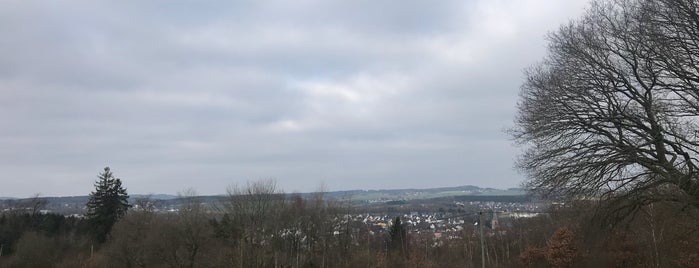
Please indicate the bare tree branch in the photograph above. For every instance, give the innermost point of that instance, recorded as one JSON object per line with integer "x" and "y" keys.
{"x": 612, "y": 111}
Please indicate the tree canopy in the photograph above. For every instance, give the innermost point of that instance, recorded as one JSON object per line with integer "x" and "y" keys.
{"x": 398, "y": 236}
{"x": 108, "y": 203}
{"x": 612, "y": 111}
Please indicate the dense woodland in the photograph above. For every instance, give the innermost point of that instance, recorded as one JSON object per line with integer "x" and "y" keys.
{"x": 257, "y": 226}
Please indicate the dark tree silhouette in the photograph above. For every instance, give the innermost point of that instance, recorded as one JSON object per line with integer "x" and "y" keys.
{"x": 107, "y": 204}
{"x": 612, "y": 111}
{"x": 398, "y": 236}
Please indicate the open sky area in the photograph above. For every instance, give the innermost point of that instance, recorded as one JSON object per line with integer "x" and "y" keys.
{"x": 205, "y": 94}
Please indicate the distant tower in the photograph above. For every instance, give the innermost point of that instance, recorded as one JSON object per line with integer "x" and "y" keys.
{"x": 494, "y": 222}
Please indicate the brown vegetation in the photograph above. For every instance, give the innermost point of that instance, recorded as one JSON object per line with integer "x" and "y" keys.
{"x": 265, "y": 228}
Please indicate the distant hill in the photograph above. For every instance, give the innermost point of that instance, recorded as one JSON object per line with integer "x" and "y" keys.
{"x": 154, "y": 196}
{"x": 412, "y": 194}
{"x": 398, "y": 194}
{"x": 76, "y": 204}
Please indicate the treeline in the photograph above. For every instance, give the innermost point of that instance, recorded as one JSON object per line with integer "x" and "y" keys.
{"x": 258, "y": 226}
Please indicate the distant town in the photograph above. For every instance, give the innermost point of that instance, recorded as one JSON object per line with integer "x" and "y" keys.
{"x": 438, "y": 211}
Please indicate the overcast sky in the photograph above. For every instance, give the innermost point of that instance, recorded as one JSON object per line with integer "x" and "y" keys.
{"x": 360, "y": 94}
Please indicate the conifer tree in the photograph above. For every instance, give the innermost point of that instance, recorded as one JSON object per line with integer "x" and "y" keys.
{"x": 107, "y": 204}
{"x": 398, "y": 236}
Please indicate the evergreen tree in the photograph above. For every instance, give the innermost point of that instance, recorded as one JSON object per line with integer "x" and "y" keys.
{"x": 398, "y": 236}
{"x": 107, "y": 204}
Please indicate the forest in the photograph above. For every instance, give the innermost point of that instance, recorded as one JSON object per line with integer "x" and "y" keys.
{"x": 259, "y": 226}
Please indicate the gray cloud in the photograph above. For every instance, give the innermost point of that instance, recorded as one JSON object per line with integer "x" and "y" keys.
{"x": 204, "y": 94}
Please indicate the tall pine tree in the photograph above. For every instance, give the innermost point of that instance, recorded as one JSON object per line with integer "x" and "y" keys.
{"x": 107, "y": 204}
{"x": 398, "y": 236}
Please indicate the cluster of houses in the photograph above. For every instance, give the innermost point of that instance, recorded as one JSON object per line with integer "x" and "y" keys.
{"x": 495, "y": 216}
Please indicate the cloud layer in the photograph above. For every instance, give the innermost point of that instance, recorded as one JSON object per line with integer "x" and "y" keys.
{"x": 205, "y": 94}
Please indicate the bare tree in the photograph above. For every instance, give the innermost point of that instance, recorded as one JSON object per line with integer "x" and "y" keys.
{"x": 35, "y": 204}
{"x": 612, "y": 110}
{"x": 192, "y": 228}
{"x": 251, "y": 220}
{"x": 132, "y": 237}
